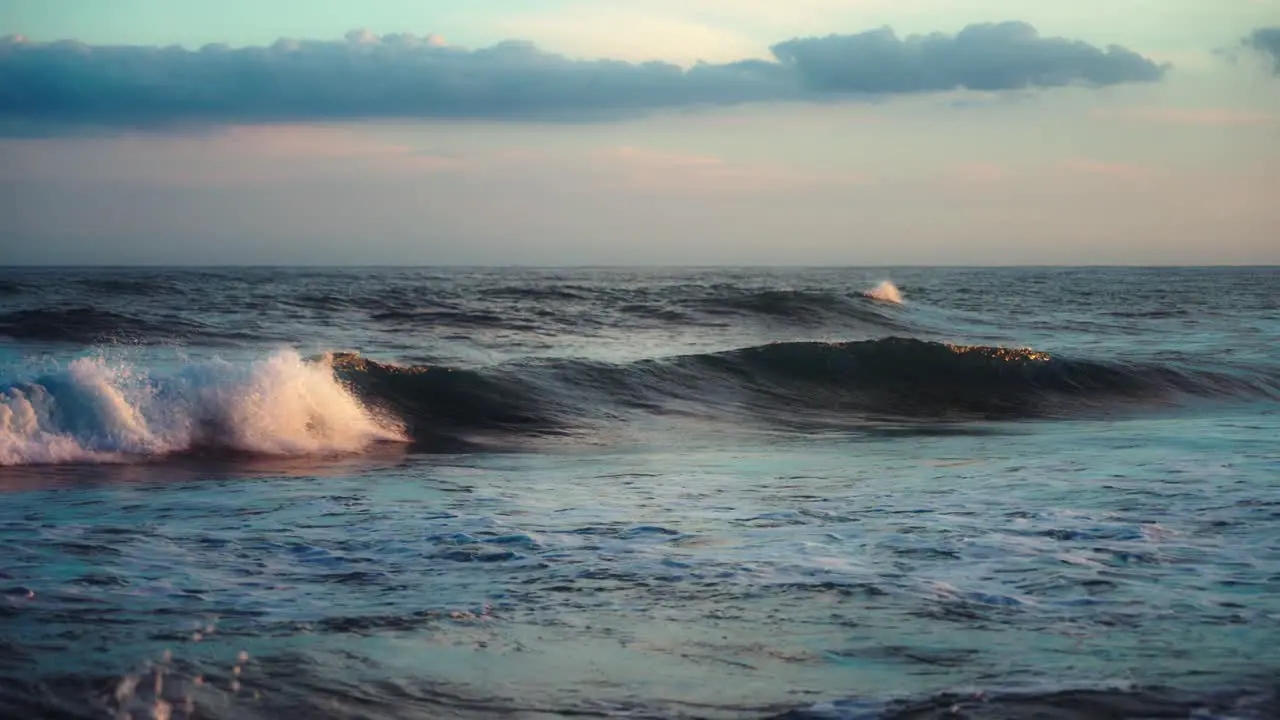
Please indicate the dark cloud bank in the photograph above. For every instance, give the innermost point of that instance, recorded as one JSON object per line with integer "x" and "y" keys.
{"x": 1266, "y": 40}
{"x": 59, "y": 86}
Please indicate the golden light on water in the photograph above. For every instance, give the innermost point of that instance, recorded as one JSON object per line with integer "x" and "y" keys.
{"x": 1001, "y": 353}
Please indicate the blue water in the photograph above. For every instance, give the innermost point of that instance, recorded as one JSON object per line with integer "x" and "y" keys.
{"x": 641, "y": 493}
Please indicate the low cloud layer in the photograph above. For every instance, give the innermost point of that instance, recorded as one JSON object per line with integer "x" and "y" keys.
{"x": 1266, "y": 41}
{"x": 68, "y": 86}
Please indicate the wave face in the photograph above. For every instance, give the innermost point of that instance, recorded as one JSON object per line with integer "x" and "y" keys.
{"x": 341, "y": 402}
{"x": 493, "y": 359}
{"x": 910, "y": 377}
{"x": 1071, "y": 704}
{"x": 895, "y": 379}
{"x": 241, "y": 307}
{"x": 95, "y": 411}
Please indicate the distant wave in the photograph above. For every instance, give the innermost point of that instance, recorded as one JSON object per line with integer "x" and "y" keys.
{"x": 1119, "y": 700}
{"x": 342, "y": 402}
{"x": 540, "y": 311}
{"x": 89, "y": 325}
{"x": 451, "y": 317}
{"x": 886, "y": 292}
{"x": 147, "y": 287}
{"x": 95, "y": 411}
{"x": 800, "y": 306}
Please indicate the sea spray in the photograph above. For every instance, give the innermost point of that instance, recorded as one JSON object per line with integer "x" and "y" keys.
{"x": 108, "y": 411}
{"x": 885, "y": 292}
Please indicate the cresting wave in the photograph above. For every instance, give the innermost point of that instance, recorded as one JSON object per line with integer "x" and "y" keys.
{"x": 806, "y": 306}
{"x": 341, "y": 402}
{"x": 96, "y": 411}
{"x": 783, "y": 385}
{"x": 885, "y": 291}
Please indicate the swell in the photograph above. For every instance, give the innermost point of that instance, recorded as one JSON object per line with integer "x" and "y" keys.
{"x": 1085, "y": 703}
{"x": 282, "y": 405}
{"x": 295, "y": 685}
{"x": 910, "y": 377}
{"x": 90, "y": 325}
{"x": 782, "y": 384}
{"x": 124, "y": 314}
{"x": 799, "y": 306}
{"x": 443, "y": 408}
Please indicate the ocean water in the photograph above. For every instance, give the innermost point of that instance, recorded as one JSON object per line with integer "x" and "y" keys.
{"x": 835, "y": 493}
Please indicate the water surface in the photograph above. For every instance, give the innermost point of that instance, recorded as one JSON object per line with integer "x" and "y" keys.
{"x": 656, "y": 493}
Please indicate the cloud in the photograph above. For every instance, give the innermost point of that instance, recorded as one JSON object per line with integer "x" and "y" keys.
{"x": 1001, "y": 56}
{"x": 1266, "y": 40}
{"x": 67, "y": 85}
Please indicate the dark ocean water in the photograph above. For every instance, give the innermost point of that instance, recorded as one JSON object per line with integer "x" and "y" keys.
{"x": 421, "y": 493}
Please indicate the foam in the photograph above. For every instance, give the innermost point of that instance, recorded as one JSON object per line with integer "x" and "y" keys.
{"x": 100, "y": 411}
{"x": 885, "y": 292}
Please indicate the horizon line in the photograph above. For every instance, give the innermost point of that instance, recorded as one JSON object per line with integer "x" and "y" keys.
{"x": 627, "y": 266}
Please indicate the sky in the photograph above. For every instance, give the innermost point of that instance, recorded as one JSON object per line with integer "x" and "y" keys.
{"x": 657, "y": 132}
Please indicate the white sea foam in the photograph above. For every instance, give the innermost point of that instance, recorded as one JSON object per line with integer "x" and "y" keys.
{"x": 101, "y": 411}
{"x": 885, "y": 292}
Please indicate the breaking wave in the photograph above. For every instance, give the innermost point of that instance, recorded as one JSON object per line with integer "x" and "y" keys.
{"x": 95, "y": 411}
{"x": 885, "y": 292}
{"x": 342, "y": 402}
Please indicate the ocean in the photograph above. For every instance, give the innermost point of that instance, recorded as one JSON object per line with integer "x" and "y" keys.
{"x": 643, "y": 493}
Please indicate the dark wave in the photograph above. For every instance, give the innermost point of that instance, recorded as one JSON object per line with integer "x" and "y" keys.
{"x": 160, "y": 309}
{"x": 891, "y": 379}
{"x": 143, "y": 287}
{"x": 455, "y": 318}
{"x": 284, "y": 406}
{"x": 1157, "y": 314}
{"x": 551, "y": 292}
{"x": 798, "y": 306}
{"x": 295, "y": 685}
{"x": 910, "y": 377}
{"x": 1068, "y": 704}
{"x": 442, "y": 408}
{"x": 91, "y": 325}
{"x": 660, "y": 312}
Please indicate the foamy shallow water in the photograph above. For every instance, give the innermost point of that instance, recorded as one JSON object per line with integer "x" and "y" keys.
{"x": 742, "y": 580}
{"x": 712, "y": 551}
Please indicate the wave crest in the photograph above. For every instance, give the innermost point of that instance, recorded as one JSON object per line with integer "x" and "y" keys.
{"x": 783, "y": 383}
{"x": 341, "y": 402}
{"x": 885, "y": 292}
{"x": 95, "y": 411}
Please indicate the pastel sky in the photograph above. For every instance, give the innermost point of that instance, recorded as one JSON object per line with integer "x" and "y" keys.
{"x": 567, "y": 132}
